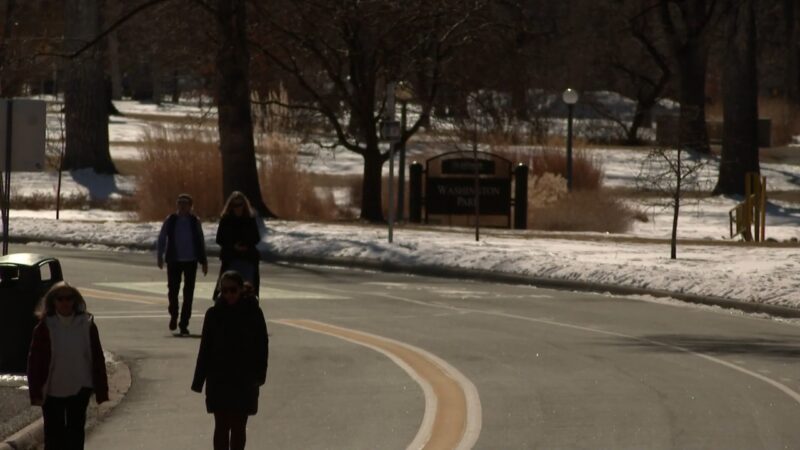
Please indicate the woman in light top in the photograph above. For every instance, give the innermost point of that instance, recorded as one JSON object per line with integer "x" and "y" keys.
{"x": 65, "y": 365}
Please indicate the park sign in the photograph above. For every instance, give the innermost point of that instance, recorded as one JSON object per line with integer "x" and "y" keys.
{"x": 451, "y": 185}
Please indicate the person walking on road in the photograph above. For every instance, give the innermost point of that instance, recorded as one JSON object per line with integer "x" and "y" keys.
{"x": 182, "y": 245}
{"x": 232, "y": 361}
{"x": 237, "y": 237}
{"x": 65, "y": 365}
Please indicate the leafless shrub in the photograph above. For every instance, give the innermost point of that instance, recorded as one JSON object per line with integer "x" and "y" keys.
{"x": 287, "y": 189}
{"x": 177, "y": 160}
{"x": 546, "y": 189}
{"x": 587, "y": 170}
{"x": 583, "y": 211}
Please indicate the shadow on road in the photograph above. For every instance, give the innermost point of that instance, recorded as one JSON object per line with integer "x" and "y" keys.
{"x": 780, "y": 347}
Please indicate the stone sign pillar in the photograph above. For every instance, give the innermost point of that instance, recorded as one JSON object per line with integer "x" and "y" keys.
{"x": 521, "y": 197}
{"x": 415, "y": 193}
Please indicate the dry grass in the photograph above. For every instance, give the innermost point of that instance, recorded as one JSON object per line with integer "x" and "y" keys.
{"x": 176, "y": 161}
{"x": 288, "y": 191}
{"x": 187, "y": 160}
{"x": 587, "y": 170}
{"x": 583, "y": 211}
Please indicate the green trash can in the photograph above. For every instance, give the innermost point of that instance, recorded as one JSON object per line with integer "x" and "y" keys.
{"x": 24, "y": 279}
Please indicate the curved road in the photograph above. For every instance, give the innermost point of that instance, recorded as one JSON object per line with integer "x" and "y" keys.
{"x": 363, "y": 360}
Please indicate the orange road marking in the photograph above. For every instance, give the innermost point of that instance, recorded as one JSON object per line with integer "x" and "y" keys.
{"x": 452, "y": 418}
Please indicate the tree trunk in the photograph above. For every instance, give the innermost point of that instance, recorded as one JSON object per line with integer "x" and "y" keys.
{"x": 175, "y": 87}
{"x": 740, "y": 110}
{"x": 6, "y": 72}
{"x": 85, "y": 94}
{"x": 519, "y": 95}
{"x": 676, "y": 208}
{"x": 792, "y": 87}
{"x": 371, "y": 185}
{"x": 643, "y": 109}
{"x": 115, "y": 10}
{"x": 692, "y": 63}
{"x": 239, "y": 171}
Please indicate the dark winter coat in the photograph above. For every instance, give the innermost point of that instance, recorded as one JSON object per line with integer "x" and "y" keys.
{"x": 39, "y": 363}
{"x": 234, "y": 230}
{"x": 168, "y": 238}
{"x": 232, "y": 361}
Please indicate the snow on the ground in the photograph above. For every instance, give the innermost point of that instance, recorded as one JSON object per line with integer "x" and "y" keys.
{"x": 759, "y": 274}
{"x": 182, "y": 109}
{"x": 76, "y": 182}
{"x": 708, "y": 219}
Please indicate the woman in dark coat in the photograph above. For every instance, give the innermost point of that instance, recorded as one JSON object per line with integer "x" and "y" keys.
{"x": 237, "y": 236}
{"x": 232, "y": 361}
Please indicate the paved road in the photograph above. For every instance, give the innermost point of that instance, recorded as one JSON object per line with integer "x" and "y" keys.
{"x": 364, "y": 360}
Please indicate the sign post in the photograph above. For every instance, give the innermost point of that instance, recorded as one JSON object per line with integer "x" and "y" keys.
{"x": 390, "y": 131}
{"x": 7, "y": 175}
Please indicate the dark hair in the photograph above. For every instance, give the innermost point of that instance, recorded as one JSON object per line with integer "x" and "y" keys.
{"x": 47, "y": 306}
{"x": 232, "y": 275}
{"x": 185, "y": 198}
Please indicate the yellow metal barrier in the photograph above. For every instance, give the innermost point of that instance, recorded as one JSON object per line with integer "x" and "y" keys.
{"x": 750, "y": 216}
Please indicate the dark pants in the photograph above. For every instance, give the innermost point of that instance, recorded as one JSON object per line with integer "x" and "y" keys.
{"x": 64, "y": 421}
{"x": 176, "y": 270}
{"x": 230, "y": 430}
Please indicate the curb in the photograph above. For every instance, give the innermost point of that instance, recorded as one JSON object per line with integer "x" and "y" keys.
{"x": 486, "y": 275}
{"x": 552, "y": 283}
{"x": 25, "y": 439}
{"x": 32, "y": 435}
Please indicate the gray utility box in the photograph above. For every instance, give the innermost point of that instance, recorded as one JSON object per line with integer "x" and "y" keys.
{"x": 28, "y": 133}
{"x": 24, "y": 279}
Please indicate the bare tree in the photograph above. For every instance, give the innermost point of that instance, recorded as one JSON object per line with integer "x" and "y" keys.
{"x": 666, "y": 175}
{"x": 85, "y": 94}
{"x": 687, "y": 25}
{"x": 636, "y": 56}
{"x": 342, "y": 54}
{"x": 236, "y": 142}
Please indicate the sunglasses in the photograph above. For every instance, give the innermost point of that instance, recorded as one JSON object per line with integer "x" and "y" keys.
{"x": 65, "y": 298}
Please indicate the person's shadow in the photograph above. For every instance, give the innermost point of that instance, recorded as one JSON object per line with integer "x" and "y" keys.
{"x": 186, "y": 336}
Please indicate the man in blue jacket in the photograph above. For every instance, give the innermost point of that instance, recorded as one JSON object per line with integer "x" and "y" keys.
{"x": 182, "y": 245}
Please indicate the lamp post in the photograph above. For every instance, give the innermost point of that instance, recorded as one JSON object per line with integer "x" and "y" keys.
{"x": 404, "y": 95}
{"x": 570, "y": 97}
{"x": 390, "y": 131}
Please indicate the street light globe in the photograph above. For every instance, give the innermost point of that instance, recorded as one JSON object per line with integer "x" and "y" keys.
{"x": 570, "y": 96}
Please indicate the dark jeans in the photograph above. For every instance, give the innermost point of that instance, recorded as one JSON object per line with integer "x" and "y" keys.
{"x": 64, "y": 421}
{"x": 176, "y": 270}
{"x": 230, "y": 430}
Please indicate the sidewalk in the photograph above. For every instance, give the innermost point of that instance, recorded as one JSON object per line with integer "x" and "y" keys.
{"x": 21, "y": 424}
